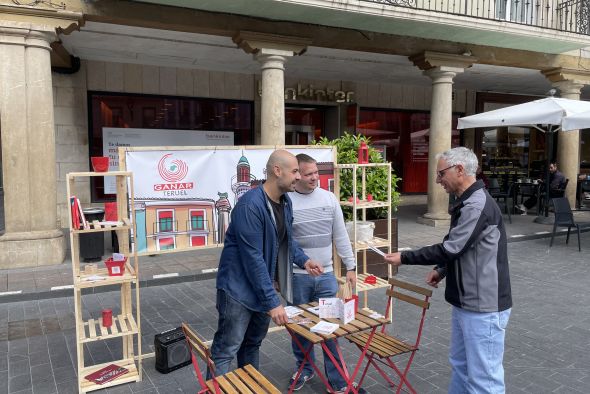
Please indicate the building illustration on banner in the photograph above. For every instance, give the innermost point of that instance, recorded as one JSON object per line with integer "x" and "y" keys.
{"x": 175, "y": 217}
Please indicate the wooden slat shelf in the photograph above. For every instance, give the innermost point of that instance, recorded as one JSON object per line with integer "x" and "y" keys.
{"x": 93, "y": 330}
{"x": 73, "y": 175}
{"x": 375, "y": 242}
{"x": 365, "y": 204}
{"x": 126, "y": 327}
{"x": 131, "y": 376}
{"x": 81, "y": 283}
{"x": 351, "y": 166}
{"x": 362, "y": 286}
{"x": 95, "y": 227}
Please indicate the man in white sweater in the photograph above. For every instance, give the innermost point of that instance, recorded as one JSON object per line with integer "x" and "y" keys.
{"x": 317, "y": 223}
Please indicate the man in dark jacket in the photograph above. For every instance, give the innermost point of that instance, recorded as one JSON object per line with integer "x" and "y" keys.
{"x": 556, "y": 183}
{"x": 258, "y": 239}
{"x": 473, "y": 257}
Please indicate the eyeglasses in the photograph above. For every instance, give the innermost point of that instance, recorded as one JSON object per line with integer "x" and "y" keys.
{"x": 441, "y": 173}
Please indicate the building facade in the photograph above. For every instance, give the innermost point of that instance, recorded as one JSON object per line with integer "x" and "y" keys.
{"x": 272, "y": 73}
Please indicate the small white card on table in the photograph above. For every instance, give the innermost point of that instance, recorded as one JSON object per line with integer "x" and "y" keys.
{"x": 335, "y": 308}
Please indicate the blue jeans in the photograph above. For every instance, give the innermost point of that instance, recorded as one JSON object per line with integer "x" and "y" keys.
{"x": 307, "y": 288}
{"x": 239, "y": 331}
{"x": 476, "y": 351}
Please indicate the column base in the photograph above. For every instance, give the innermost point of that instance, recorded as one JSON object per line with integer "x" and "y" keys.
{"x": 32, "y": 249}
{"x": 435, "y": 220}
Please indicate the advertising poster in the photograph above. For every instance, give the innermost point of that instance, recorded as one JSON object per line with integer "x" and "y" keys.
{"x": 184, "y": 198}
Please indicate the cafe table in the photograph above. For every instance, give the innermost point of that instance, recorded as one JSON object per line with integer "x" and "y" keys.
{"x": 362, "y": 322}
{"x": 534, "y": 186}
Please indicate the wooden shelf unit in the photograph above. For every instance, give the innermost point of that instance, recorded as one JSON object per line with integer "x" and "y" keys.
{"x": 360, "y": 247}
{"x": 126, "y": 324}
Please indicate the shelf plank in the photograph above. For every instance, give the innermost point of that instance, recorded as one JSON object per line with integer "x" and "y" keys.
{"x": 131, "y": 376}
{"x": 93, "y": 330}
{"x": 375, "y": 242}
{"x": 72, "y": 175}
{"x": 362, "y": 286}
{"x": 365, "y": 204}
{"x": 81, "y": 281}
{"x": 351, "y": 166}
{"x": 96, "y": 227}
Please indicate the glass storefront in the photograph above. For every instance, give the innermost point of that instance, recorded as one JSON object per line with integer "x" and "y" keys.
{"x": 303, "y": 125}
{"x": 405, "y": 137}
{"x": 162, "y": 112}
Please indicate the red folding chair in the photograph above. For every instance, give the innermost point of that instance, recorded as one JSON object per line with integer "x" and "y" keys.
{"x": 245, "y": 380}
{"x": 384, "y": 347}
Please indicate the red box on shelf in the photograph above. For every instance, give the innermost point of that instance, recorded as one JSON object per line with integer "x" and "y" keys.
{"x": 116, "y": 268}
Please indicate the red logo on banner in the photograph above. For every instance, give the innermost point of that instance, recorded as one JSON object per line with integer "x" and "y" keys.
{"x": 174, "y": 171}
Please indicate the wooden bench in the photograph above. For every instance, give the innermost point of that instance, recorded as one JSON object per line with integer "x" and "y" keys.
{"x": 242, "y": 380}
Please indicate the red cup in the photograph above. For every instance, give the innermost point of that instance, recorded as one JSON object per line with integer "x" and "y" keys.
{"x": 100, "y": 163}
{"x": 107, "y": 317}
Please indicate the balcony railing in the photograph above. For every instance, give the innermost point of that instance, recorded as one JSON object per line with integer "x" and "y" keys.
{"x": 563, "y": 15}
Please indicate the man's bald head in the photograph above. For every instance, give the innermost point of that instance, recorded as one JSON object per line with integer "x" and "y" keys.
{"x": 280, "y": 158}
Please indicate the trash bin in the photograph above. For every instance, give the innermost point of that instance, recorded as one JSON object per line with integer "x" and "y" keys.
{"x": 92, "y": 244}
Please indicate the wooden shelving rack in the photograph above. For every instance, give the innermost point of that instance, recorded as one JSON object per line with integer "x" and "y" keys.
{"x": 126, "y": 324}
{"x": 361, "y": 247}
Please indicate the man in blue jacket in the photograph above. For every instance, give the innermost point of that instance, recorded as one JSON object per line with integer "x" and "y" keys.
{"x": 473, "y": 257}
{"x": 258, "y": 251}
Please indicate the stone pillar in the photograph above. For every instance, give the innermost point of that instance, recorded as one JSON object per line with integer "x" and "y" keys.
{"x": 32, "y": 236}
{"x": 441, "y": 69}
{"x": 271, "y": 51}
{"x": 272, "y": 114}
{"x": 570, "y": 83}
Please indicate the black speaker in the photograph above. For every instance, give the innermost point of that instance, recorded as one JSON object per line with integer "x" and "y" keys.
{"x": 172, "y": 351}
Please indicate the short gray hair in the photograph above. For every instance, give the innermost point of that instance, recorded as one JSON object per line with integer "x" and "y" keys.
{"x": 463, "y": 156}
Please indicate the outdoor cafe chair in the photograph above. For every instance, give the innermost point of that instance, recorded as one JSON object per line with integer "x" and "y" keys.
{"x": 555, "y": 193}
{"x": 242, "y": 380}
{"x": 565, "y": 218}
{"x": 504, "y": 197}
{"x": 385, "y": 346}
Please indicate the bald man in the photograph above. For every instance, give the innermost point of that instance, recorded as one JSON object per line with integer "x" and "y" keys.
{"x": 258, "y": 251}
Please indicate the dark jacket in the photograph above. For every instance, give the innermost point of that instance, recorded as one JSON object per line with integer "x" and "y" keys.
{"x": 473, "y": 255}
{"x": 248, "y": 261}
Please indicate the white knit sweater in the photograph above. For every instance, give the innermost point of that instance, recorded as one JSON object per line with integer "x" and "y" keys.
{"x": 317, "y": 222}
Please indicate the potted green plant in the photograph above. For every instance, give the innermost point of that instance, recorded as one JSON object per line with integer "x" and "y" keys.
{"x": 376, "y": 184}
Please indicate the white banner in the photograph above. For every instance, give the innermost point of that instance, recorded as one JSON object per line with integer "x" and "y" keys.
{"x": 113, "y": 138}
{"x": 184, "y": 197}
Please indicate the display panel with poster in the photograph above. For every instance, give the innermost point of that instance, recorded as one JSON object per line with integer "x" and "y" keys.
{"x": 183, "y": 198}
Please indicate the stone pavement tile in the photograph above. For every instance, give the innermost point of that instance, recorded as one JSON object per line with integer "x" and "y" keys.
{"x": 19, "y": 382}
{"x": 4, "y": 382}
{"x": 3, "y": 283}
{"x": 67, "y": 388}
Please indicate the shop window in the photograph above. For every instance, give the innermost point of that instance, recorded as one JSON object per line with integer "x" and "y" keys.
{"x": 403, "y": 139}
{"x": 197, "y": 219}
{"x": 163, "y": 112}
{"x": 303, "y": 125}
{"x": 166, "y": 243}
{"x": 165, "y": 221}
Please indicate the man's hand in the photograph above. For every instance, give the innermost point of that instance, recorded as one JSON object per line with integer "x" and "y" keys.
{"x": 433, "y": 278}
{"x": 351, "y": 278}
{"x": 313, "y": 268}
{"x": 394, "y": 259}
{"x": 279, "y": 316}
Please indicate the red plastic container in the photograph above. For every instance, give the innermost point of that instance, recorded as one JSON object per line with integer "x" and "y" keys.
{"x": 100, "y": 163}
{"x": 116, "y": 268}
{"x": 107, "y": 317}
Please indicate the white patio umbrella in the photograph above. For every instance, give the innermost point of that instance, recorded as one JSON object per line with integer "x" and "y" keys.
{"x": 577, "y": 121}
{"x": 547, "y": 115}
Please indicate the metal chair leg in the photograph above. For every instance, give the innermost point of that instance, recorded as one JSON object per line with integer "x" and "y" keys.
{"x": 579, "y": 245}
{"x": 567, "y": 238}
{"x": 553, "y": 235}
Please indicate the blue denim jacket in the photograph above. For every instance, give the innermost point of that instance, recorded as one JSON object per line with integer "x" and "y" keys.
{"x": 248, "y": 260}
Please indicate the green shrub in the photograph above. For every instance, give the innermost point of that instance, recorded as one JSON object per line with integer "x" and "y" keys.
{"x": 376, "y": 178}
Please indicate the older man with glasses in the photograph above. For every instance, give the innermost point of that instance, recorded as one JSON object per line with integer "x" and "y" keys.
{"x": 473, "y": 257}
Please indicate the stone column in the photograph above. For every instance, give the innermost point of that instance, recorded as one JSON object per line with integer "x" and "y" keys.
{"x": 441, "y": 69}
{"x": 570, "y": 83}
{"x": 271, "y": 51}
{"x": 272, "y": 114}
{"x": 28, "y": 147}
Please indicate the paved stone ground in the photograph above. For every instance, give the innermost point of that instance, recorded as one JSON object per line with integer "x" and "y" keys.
{"x": 547, "y": 346}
